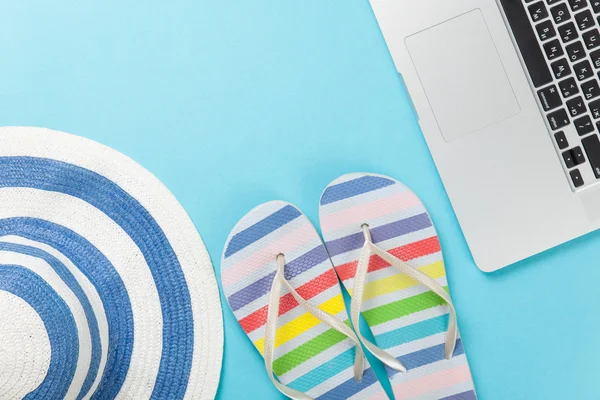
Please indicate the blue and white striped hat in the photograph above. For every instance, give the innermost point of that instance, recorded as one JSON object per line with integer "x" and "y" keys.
{"x": 106, "y": 289}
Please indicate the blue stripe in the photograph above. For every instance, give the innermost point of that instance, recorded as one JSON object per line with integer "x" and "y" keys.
{"x": 100, "y": 272}
{"x": 470, "y": 395}
{"x": 364, "y": 184}
{"x": 140, "y": 226}
{"x": 292, "y": 269}
{"x": 72, "y": 283}
{"x": 426, "y": 356}
{"x": 59, "y": 324}
{"x": 261, "y": 229}
{"x": 413, "y": 332}
{"x": 410, "y": 361}
{"x": 379, "y": 234}
{"x": 350, "y": 387}
{"x": 324, "y": 371}
{"x": 386, "y": 340}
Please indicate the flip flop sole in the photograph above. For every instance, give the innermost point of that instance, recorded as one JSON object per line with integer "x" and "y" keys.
{"x": 407, "y": 320}
{"x": 309, "y": 356}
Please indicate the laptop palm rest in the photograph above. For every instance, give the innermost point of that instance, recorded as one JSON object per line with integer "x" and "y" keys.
{"x": 462, "y": 74}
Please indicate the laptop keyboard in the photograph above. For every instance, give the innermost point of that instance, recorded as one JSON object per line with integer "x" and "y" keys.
{"x": 559, "y": 42}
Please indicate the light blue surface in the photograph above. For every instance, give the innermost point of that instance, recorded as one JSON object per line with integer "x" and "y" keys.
{"x": 234, "y": 103}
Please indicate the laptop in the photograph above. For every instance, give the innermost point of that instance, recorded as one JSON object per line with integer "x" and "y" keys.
{"x": 507, "y": 93}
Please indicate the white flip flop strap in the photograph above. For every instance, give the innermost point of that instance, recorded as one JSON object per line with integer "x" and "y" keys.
{"x": 271, "y": 330}
{"x": 355, "y": 308}
{"x": 269, "y": 345}
{"x": 357, "y": 297}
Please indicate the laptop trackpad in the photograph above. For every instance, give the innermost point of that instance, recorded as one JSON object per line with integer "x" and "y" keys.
{"x": 462, "y": 75}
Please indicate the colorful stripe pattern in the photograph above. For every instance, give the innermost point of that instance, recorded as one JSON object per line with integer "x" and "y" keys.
{"x": 309, "y": 356}
{"x": 406, "y": 319}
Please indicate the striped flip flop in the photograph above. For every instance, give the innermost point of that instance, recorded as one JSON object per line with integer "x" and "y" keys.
{"x": 283, "y": 290}
{"x": 387, "y": 254}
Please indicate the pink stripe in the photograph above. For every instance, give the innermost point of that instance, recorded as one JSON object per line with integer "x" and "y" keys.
{"x": 429, "y": 383}
{"x": 257, "y": 260}
{"x": 373, "y": 209}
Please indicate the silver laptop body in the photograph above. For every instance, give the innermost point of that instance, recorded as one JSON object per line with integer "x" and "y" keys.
{"x": 521, "y": 174}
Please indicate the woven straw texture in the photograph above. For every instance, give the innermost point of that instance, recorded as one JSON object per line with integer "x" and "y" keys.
{"x": 309, "y": 356}
{"x": 406, "y": 319}
{"x": 106, "y": 289}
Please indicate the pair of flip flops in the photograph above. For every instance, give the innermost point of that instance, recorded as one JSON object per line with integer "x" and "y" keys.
{"x": 281, "y": 283}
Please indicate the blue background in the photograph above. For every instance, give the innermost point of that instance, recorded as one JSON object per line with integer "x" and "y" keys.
{"x": 233, "y": 103}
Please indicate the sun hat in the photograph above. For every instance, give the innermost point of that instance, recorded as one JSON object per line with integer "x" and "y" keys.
{"x": 106, "y": 288}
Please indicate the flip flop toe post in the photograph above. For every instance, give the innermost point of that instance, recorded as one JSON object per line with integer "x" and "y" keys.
{"x": 406, "y": 305}
{"x": 311, "y": 357}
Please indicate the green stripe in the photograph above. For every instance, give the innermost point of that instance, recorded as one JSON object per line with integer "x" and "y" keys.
{"x": 402, "y": 308}
{"x": 308, "y": 350}
{"x": 373, "y": 317}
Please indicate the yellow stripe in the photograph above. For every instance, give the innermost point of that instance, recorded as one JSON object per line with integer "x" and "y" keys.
{"x": 303, "y": 323}
{"x": 401, "y": 281}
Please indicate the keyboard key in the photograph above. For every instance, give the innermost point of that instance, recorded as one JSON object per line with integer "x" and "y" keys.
{"x": 595, "y": 109}
{"x": 591, "y": 39}
{"x": 576, "y": 178}
{"x": 584, "y": 20}
{"x": 553, "y": 49}
{"x": 561, "y": 68}
{"x": 575, "y": 51}
{"x": 577, "y": 5}
{"x": 583, "y": 70}
{"x": 568, "y": 87}
{"x": 526, "y": 40}
{"x": 576, "y": 106}
{"x": 590, "y": 89}
{"x": 584, "y": 125}
{"x": 591, "y": 144}
{"x": 567, "y": 32}
{"x": 568, "y": 159}
{"x": 558, "y": 119}
{"x": 578, "y": 156}
{"x": 545, "y": 30}
{"x": 538, "y": 11}
{"x": 596, "y": 6}
{"x": 561, "y": 140}
{"x": 549, "y": 97}
{"x": 560, "y": 13}
{"x": 595, "y": 56}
